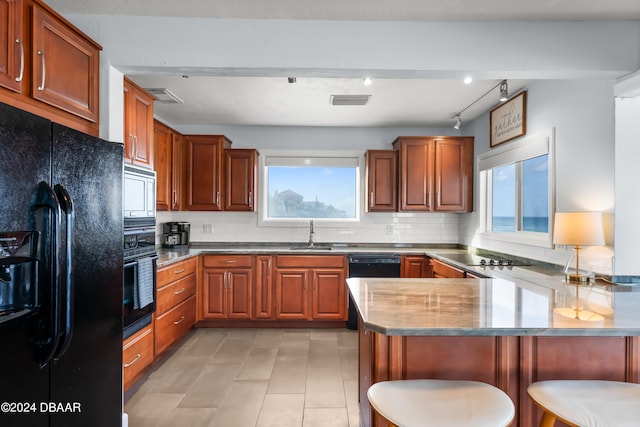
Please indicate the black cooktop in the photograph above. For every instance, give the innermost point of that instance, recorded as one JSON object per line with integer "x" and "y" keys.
{"x": 476, "y": 260}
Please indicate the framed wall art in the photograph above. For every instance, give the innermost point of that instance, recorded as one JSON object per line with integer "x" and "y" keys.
{"x": 509, "y": 120}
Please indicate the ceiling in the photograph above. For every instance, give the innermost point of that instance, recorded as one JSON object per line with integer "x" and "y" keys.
{"x": 272, "y": 100}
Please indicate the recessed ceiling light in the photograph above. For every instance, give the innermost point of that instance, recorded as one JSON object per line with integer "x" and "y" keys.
{"x": 468, "y": 80}
{"x": 367, "y": 81}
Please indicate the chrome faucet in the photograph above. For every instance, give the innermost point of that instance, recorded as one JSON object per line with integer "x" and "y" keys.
{"x": 311, "y": 233}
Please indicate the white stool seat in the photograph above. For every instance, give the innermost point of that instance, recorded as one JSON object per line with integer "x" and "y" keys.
{"x": 588, "y": 403}
{"x": 441, "y": 403}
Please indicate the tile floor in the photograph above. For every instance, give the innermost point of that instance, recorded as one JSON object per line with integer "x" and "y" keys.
{"x": 252, "y": 378}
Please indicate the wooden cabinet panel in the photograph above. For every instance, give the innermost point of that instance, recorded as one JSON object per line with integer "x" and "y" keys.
{"x": 177, "y": 171}
{"x": 138, "y": 125}
{"x": 214, "y": 288}
{"x": 443, "y": 271}
{"x": 292, "y": 299}
{"x": 329, "y": 294}
{"x": 175, "y": 323}
{"x": 264, "y": 287}
{"x": 137, "y": 354}
{"x": 228, "y": 286}
{"x": 227, "y": 261}
{"x": 239, "y": 293}
{"x": 240, "y": 176}
{"x": 416, "y": 173}
{"x": 162, "y": 163}
{"x": 205, "y": 167}
{"x": 175, "y": 271}
{"x": 310, "y": 261}
{"x": 382, "y": 180}
{"x": 12, "y": 48}
{"x": 174, "y": 293}
{"x": 415, "y": 266}
{"x": 66, "y": 67}
{"x": 454, "y": 174}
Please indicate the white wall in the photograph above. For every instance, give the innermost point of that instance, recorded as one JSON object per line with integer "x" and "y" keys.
{"x": 582, "y": 113}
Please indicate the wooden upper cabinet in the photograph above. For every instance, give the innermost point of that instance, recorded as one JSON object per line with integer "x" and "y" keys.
{"x": 240, "y": 179}
{"x": 205, "y": 172}
{"x": 66, "y": 67}
{"x": 12, "y": 48}
{"x": 138, "y": 125}
{"x": 454, "y": 174}
{"x": 382, "y": 180}
{"x": 436, "y": 173}
{"x": 167, "y": 154}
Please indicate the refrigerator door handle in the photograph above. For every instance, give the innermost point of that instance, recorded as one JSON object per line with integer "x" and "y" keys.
{"x": 66, "y": 203}
{"x": 45, "y": 198}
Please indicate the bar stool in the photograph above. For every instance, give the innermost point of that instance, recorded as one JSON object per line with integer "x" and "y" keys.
{"x": 441, "y": 403}
{"x": 587, "y": 403}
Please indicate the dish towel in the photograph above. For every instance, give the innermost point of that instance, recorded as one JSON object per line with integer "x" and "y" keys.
{"x": 145, "y": 283}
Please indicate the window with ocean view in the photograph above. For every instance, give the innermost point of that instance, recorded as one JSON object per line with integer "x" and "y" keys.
{"x": 517, "y": 190}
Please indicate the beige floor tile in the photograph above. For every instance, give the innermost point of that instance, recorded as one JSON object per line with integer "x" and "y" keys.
{"x": 324, "y": 352}
{"x": 325, "y": 417}
{"x": 347, "y": 338}
{"x": 289, "y": 376}
{"x": 293, "y": 349}
{"x": 268, "y": 338}
{"x": 152, "y": 409}
{"x": 325, "y": 387}
{"x": 206, "y": 344}
{"x": 191, "y": 417}
{"x": 181, "y": 375}
{"x": 324, "y": 334}
{"x": 242, "y": 333}
{"x": 242, "y": 404}
{"x": 258, "y": 365}
{"x": 232, "y": 351}
{"x": 296, "y": 335}
{"x": 281, "y": 410}
{"x": 351, "y": 396}
{"x": 210, "y": 388}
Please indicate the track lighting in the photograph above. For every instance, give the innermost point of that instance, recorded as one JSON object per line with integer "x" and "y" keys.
{"x": 458, "y": 122}
{"x": 504, "y": 95}
{"x": 504, "y": 91}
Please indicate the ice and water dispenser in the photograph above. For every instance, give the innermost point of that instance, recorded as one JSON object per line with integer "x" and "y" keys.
{"x": 18, "y": 270}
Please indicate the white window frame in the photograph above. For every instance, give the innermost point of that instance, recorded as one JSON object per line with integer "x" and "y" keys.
{"x": 529, "y": 147}
{"x": 306, "y": 157}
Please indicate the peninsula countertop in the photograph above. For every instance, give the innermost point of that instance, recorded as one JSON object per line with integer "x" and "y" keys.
{"x": 495, "y": 307}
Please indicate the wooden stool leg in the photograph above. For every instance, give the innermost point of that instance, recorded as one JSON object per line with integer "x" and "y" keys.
{"x": 548, "y": 420}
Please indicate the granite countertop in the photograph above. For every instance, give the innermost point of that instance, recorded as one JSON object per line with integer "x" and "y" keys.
{"x": 495, "y": 307}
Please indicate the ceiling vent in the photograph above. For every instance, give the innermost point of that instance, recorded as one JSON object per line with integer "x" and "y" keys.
{"x": 164, "y": 96}
{"x": 350, "y": 99}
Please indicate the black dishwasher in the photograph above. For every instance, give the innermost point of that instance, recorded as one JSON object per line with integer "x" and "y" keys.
{"x": 370, "y": 265}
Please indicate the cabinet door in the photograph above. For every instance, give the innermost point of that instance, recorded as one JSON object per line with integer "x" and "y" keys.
{"x": 205, "y": 155}
{"x": 66, "y": 67}
{"x": 416, "y": 174}
{"x": 214, "y": 284}
{"x": 239, "y": 293}
{"x": 445, "y": 271}
{"x": 177, "y": 168}
{"x": 292, "y": 297}
{"x": 138, "y": 125}
{"x": 415, "y": 267}
{"x": 454, "y": 174}
{"x": 163, "y": 156}
{"x": 382, "y": 180}
{"x": 240, "y": 179}
{"x": 264, "y": 287}
{"x": 12, "y": 49}
{"x": 329, "y": 294}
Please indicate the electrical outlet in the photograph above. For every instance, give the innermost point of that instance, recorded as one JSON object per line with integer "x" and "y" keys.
{"x": 207, "y": 228}
{"x": 391, "y": 229}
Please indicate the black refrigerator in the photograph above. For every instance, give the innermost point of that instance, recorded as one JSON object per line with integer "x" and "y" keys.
{"x": 61, "y": 275}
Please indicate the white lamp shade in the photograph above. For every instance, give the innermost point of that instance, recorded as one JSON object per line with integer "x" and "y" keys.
{"x": 578, "y": 229}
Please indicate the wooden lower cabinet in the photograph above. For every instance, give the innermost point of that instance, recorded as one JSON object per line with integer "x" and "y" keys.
{"x": 510, "y": 363}
{"x": 310, "y": 288}
{"x": 263, "y": 295}
{"x": 227, "y": 286}
{"x": 442, "y": 270}
{"x": 137, "y": 355}
{"x": 415, "y": 266}
{"x": 175, "y": 324}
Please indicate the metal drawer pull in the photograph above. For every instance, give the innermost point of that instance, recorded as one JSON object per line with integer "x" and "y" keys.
{"x": 126, "y": 365}
{"x": 177, "y": 322}
{"x": 179, "y": 271}
{"x": 19, "y": 78}
{"x": 44, "y": 71}
{"x": 230, "y": 261}
{"x": 179, "y": 292}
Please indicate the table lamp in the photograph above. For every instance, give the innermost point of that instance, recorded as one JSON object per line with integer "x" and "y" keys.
{"x": 578, "y": 229}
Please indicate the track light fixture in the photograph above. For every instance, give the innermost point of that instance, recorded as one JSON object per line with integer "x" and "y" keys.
{"x": 504, "y": 91}
{"x": 504, "y": 95}
{"x": 458, "y": 122}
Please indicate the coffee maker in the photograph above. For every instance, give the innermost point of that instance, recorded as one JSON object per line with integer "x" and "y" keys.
{"x": 175, "y": 234}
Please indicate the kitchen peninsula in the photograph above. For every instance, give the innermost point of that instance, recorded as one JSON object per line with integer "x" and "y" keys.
{"x": 502, "y": 331}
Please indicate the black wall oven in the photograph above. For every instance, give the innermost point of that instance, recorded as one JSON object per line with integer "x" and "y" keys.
{"x": 139, "y": 277}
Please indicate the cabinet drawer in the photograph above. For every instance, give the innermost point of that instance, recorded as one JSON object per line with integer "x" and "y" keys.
{"x": 310, "y": 261}
{"x": 171, "y": 295}
{"x": 137, "y": 354}
{"x": 175, "y": 323}
{"x": 176, "y": 271}
{"x": 227, "y": 261}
